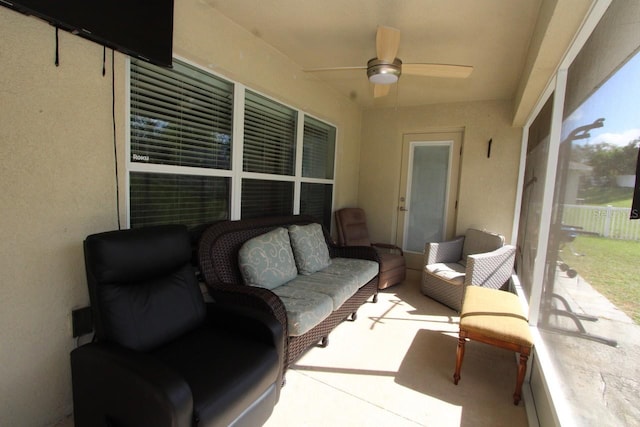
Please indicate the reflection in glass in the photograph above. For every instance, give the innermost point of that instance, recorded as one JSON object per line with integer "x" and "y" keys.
{"x": 590, "y": 303}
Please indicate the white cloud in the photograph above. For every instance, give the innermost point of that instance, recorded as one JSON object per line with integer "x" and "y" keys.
{"x": 619, "y": 139}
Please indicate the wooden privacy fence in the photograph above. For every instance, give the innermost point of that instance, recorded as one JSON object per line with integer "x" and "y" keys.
{"x": 606, "y": 221}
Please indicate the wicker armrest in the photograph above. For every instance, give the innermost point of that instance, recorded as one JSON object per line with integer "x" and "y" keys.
{"x": 490, "y": 269}
{"x": 448, "y": 251}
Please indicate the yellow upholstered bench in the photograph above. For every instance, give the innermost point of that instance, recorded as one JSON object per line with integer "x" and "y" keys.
{"x": 495, "y": 317}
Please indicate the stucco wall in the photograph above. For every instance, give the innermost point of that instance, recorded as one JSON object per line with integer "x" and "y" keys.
{"x": 57, "y": 187}
{"x": 487, "y": 185}
{"x": 58, "y": 180}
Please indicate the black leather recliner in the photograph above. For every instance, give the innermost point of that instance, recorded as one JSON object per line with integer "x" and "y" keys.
{"x": 162, "y": 356}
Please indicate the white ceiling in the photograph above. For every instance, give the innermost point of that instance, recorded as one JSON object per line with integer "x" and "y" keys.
{"x": 493, "y": 36}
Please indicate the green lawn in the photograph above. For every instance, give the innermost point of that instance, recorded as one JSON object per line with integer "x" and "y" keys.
{"x": 612, "y": 267}
{"x": 602, "y": 196}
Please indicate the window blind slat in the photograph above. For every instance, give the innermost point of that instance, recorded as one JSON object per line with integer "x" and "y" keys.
{"x": 315, "y": 200}
{"x": 269, "y": 136}
{"x": 177, "y": 199}
{"x": 266, "y": 198}
{"x": 181, "y": 117}
{"x": 318, "y": 149}
{"x": 184, "y": 117}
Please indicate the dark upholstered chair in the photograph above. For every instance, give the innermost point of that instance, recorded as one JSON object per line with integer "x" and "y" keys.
{"x": 162, "y": 356}
{"x": 352, "y": 231}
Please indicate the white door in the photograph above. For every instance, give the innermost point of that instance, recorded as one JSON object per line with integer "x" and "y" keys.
{"x": 428, "y": 192}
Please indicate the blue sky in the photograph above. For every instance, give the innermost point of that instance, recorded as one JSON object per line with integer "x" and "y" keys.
{"x": 618, "y": 101}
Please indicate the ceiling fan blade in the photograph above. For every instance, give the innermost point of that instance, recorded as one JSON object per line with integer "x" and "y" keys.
{"x": 323, "y": 69}
{"x": 438, "y": 70}
{"x": 387, "y": 43}
{"x": 380, "y": 90}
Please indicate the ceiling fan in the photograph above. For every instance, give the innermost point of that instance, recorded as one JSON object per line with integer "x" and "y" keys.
{"x": 385, "y": 69}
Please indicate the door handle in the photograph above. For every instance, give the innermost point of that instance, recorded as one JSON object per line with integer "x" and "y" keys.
{"x": 403, "y": 209}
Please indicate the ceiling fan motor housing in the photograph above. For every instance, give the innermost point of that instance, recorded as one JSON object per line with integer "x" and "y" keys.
{"x": 383, "y": 72}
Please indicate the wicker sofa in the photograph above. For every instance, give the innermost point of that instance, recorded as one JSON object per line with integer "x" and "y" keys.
{"x": 218, "y": 255}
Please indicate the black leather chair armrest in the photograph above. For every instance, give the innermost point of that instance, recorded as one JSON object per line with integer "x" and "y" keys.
{"x": 116, "y": 386}
{"x": 248, "y": 322}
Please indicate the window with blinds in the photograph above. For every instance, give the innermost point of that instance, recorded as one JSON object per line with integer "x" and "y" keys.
{"x": 318, "y": 149}
{"x": 180, "y": 116}
{"x": 266, "y": 198}
{"x": 159, "y": 198}
{"x": 181, "y": 144}
{"x": 269, "y": 136}
{"x": 315, "y": 200}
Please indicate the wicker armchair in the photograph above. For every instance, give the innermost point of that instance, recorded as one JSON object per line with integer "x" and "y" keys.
{"x": 478, "y": 258}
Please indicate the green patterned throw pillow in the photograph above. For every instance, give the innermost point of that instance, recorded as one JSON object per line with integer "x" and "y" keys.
{"x": 309, "y": 248}
{"x": 267, "y": 260}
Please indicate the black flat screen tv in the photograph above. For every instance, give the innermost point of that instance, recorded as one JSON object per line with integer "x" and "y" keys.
{"x": 139, "y": 28}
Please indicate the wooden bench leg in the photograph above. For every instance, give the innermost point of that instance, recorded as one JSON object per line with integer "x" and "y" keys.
{"x": 459, "y": 357}
{"x": 522, "y": 369}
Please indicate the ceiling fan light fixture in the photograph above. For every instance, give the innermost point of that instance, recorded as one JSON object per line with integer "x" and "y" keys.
{"x": 383, "y": 73}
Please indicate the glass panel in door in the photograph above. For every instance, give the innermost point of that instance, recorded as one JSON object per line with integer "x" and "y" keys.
{"x": 428, "y": 194}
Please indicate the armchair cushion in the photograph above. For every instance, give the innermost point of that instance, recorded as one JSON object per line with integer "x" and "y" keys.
{"x": 452, "y": 272}
{"x": 137, "y": 277}
{"x": 352, "y": 227}
{"x": 267, "y": 260}
{"x": 154, "y": 253}
{"x": 225, "y": 372}
{"x": 478, "y": 242}
{"x": 448, "y": 251}
{"x": 309, "y": 248}
{"x": 208, "y": 376}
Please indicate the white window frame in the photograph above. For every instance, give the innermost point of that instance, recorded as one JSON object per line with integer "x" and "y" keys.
{"x": 236, "y": 173}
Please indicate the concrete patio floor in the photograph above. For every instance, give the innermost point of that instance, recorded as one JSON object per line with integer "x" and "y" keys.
{"x": 394, "y": 366}
{"x": 596, "y": 359}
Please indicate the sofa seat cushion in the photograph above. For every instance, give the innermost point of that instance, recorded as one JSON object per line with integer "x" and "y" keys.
{"x": 223, "y": 383}
{"x": 360, "y": 271}
{"x": 305, "y": 308}
{"x": 340, "y": 280}
{"x": 450, "y": 271}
